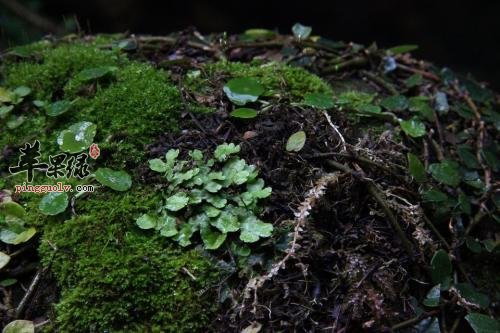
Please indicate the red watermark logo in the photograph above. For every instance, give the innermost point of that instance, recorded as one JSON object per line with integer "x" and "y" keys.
{"x": 94, "y": 151}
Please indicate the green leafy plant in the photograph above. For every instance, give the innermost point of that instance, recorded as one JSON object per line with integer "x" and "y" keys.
{"x": 12, "y": 223}
{"x": 77, "y": 137}
{"x": 296, "y": 141}
{"x": 117, "y": 180}
{"x": 244, "y": 113}
{"x": 53, "y": 203}
{"x": 301, "y": 31}
{"x": 9, "y": 99}
{"x": 242, "y": 90}
{"x": 215, "y": 197}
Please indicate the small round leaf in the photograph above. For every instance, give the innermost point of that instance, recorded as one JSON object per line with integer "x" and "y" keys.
{"x": 296, "y": 141}
{"x": 117, "y": 180}
{"x": 58, "y": 108}
{"x": 318, "y": 100}
{"x": 242, "y": 90}
{"x": 413, "y": 127}
{"x": 19, "y": 326}
{"x": 245, "y": 113}
{"x": 77, "y": 137}
{"x": 301, "y": 31}
{"x": 146, "y": 221}
{"x": 53, "y": 203}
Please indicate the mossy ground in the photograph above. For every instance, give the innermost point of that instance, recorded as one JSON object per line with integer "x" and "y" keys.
{"x": 116, "y": 277}
{"x": 112, "y": 275}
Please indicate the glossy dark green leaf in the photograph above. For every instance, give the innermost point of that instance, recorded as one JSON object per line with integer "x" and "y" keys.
{"x": 446, "y": 172}
{"x": 434, "y": 195}
{"x": 57, "y": 108}
{"x": 481, "y": 323}
{"x": 8, "y": 282}
{"x": 243, "y": 90}
{"x": 91, "y": 74}
{"x": 473, "y": 244}
{"x": 441, "y": 268}
{"x": 477, "y": 92}
{"x": 433, "y": 296}
{"x": 413, "y": 127}
{"x": 118, "y": 180}
{"x": 12, "y": 208}
{"x": 369, "y": 108}
{"x": 490, "y": 155}
{"x": 417, "y": 169}
{"x": 471, "y": 295}
{"x": 318, "y": 100}
{"x": 464, "y": 203}
{"x": 421, "y": 105}
{"x": 414, "y": 80}
{"x": 53, "y": 203}
{"x": 395, "y": 103}
{"x": 468, "y": 157}
{"x": 77, "y": 137}
{"x": 245, "y": 113}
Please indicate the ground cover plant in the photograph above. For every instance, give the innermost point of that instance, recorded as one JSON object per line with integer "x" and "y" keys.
{"x": 257, "y": 182}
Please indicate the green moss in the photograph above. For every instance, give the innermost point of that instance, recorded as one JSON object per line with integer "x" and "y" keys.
{"x": 113, "y": 276}
{"x": 130, "y": 109}
{"x": 139, "y": 105}
{"x": 279, "y": 80}
{"x": 48, "y": 76}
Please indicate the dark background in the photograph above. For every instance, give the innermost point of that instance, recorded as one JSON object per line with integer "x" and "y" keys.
{"x": 464, "y": 36}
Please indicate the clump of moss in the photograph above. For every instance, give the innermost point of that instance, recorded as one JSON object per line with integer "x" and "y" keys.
{"x": 47, "y": 76}
{"x": 137, "y": 103}
{"x": 113, "y": 276}
{"x": 279, "y": 79}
